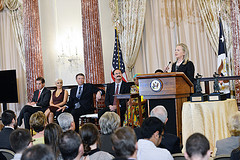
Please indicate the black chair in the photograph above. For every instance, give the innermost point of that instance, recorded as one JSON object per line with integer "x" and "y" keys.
{"x": 7, "y": 153}
{"x": 178, "y": 156}
{"x": 222, "y": 157}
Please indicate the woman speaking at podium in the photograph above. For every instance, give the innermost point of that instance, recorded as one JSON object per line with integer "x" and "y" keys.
{"x": 183, "y": 64}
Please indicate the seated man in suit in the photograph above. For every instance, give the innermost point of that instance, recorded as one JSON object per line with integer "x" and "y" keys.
{"x": 197, "y": 147}
{"x": 40, "y": 102}
{"x": 10, "y": 123}
{"x": 81, "y": 99}
{"x": 117, "y": 87}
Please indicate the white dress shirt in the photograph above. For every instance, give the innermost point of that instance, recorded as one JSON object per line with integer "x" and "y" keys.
{"x": 148, "y": 151}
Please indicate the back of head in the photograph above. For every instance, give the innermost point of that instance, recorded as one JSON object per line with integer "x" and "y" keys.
{"x": 234, "y": 124}
{"x": 64, "y": 120}
{"x": 7, "y": 117}
{"x": 52, "y": 135}
{"x": 90, "y": 135}
{"x": 38, "y": 152}
{"x": 20, "y": 139}
{"x": 124, "y": 142}
{"x": 197, "y": 145}
{"x": 37, "y": 121}
{"x": 150, "y": 126}
{"x": 109, "y": 122}
{"x": 160, "y": 112}
{"x": 158, "y": 71}
{"x": 69, "y": 144}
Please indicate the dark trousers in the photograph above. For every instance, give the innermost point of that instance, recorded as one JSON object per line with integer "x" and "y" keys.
{"x": 26, "y": 113}
{"x": 76, "y": 113}
{"x": 106, "y": 109}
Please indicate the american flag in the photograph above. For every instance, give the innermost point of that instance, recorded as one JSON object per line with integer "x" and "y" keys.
{"x": 117, "y": 61}
{"x": 222, "y": 64}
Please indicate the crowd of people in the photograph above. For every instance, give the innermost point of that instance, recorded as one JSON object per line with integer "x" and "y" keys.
{"x": 63, "y": 138}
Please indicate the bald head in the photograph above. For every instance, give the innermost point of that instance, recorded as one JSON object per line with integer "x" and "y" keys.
{"x": 160, "y": 112}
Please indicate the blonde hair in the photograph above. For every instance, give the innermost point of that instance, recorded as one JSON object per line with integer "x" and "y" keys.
{"x": 38, "y": 121}
{"x": 186, "y": 51}
{"x": 58, "y": 79}
{"x": 234, "y": 124}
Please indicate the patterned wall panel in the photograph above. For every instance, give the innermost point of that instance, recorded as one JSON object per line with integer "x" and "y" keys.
{"x": 235, "y": 15}
{"x": 32, "y": 40}
{"x": 93, "y": 57}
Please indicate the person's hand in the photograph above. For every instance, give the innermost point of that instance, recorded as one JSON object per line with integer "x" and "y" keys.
{"x": 112, "y": 107}
{"x": 98, "y": 96}
{"x": 62, "y": 108}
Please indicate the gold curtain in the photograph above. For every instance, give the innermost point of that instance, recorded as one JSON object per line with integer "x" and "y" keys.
{"x": 128, "y": 16}
{"x": 167, "y": 23}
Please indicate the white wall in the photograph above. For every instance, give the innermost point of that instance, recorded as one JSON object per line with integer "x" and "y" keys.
{"x": 61, "y": 34}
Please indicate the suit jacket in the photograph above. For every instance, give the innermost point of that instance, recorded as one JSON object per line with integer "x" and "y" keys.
{"x": 86, "y": 99}
{"x": 109, "y": 98}
{"x": 225, "y": 146}
{"x": 4, "y": 138}
{"x": 188, "y": 69}
{"x": 169, "y": 141}
{"x": 43, "y": 99}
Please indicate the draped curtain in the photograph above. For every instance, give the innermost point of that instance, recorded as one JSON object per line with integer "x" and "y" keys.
{"x": 167, "y": 23}
{"x": 128, "y": 16}
{"x": 11, "y": 47}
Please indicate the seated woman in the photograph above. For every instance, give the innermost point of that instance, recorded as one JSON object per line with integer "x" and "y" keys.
{"x": 225, "y": 146}
{"x": 38, "y": 122}
{"x": 135, "y": 108}
{"x": 108, "y": 123}
{"x": 58, "y": 100}
{"x": 90, "y": 139}
{"x": 52, "y": 135}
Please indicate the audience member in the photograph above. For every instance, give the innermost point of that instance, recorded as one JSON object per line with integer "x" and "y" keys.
{"x": 108, "y": 123}
{"x": 57, "y": 102}
{"x": 90, "y": 139}
{"x": 10, "y": 123}
{"x": 125, "y": 143}
{"x": 20, "y": 139}
{"x": 152, "y": 132}
{"x": 158, "y": 71}
{"x": 70, "y": 145}
{"x": 170, "y": 141}
{"x": 235, "y": 154}
{"x": 40, "y": 102}
{"x": 117, "y": 87}
{"x": 38, "y": 122}
{"x": 66, "y": 122}
{"x": 38, "y": 152}
{"x": 52, "y": 133}
{"x": 225, "y": 146}
{"x": 197, "y": 147}
{"x": 81, "y": 99}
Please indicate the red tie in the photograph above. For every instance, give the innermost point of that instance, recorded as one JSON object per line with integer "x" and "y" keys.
{"x": 39, "y": 94}
{"x": 115, "y": 98}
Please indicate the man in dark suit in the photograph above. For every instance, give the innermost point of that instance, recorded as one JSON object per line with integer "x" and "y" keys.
{"x": 117, "y": 87}
{"x": 170, "y": 141}
{"x": 40, "y": 102}
{"x": 81, "y": 99}
{"x": 10, "y": 123}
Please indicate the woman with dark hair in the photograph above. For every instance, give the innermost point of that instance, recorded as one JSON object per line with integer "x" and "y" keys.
{"x": 90, "y": 139}
{"x": 51, "y": 136}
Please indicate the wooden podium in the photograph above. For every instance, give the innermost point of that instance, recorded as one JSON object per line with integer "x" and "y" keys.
{"x": 165, "y": 86}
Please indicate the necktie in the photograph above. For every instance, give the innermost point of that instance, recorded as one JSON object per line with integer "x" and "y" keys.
{"x": 39, "y": 93}
{"x": 115, "y": 98}
{"x": 79, "y": 93}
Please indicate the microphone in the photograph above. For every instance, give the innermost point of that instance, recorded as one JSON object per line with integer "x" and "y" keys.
{"x": 167, "y": 66}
